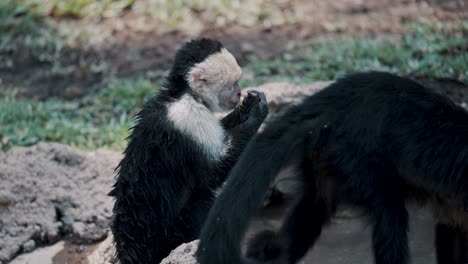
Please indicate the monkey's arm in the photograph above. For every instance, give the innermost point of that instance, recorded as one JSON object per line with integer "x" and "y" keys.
{"x": 234, "y": 119}
{"x": 241, "y": 125}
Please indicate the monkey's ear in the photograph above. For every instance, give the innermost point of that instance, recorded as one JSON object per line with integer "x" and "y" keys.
{"x": 197, "y": 77}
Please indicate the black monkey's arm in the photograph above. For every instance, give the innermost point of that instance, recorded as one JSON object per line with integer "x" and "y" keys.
{"x": 241, "y": 125}
{"x": 233, "y": 119}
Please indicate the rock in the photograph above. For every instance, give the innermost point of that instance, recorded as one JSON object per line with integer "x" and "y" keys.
{"x": 183, "y": 254}
{"x": 40, "y": 256}
{"x": 29, "y": 245}
{"x": 280, "y": 95}
{"x": 104, "y": 253}
{"x": 6, "y": 199}
{"x": 49, "y": 191}
{"x": 247, "y": 47}
{"x": 89, "y": 231}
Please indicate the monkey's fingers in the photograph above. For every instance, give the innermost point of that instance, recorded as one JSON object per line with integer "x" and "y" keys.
{"x": 247, "y": 101}
{"x": 254, "y": 93}
{"x": 260, "y": 96}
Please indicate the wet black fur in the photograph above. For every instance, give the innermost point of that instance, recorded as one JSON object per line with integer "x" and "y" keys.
{"x": 165, "y": 182}
{"x": 369, "y": 140}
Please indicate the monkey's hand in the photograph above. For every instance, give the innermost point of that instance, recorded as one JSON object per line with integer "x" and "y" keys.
{"x": 254, "y": 108}
{"x": 251, "y": 112}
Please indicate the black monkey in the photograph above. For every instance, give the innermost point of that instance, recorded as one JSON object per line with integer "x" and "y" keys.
{"x": 179, "y": 154}
{"x": 371, "y": 140}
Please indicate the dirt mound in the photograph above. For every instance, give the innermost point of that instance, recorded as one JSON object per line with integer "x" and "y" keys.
{"x": 51, "y": 191}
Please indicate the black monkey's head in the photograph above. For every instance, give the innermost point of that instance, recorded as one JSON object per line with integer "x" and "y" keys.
{"x": 210, "y": 71}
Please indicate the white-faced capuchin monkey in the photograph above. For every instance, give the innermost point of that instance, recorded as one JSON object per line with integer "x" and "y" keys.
{"x": 179, "y": 153}
{"x": 371, "y": 140}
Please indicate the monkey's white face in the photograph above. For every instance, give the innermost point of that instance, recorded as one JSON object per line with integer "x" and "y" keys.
{"x": 215, "y": 80}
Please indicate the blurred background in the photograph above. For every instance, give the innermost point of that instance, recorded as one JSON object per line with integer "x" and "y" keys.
{"x": 76, "y": 71}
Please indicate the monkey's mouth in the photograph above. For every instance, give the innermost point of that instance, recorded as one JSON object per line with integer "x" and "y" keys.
{"x": 231, "y": 105}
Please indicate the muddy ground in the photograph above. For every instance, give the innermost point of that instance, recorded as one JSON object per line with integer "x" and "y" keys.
{"x": 130, "y": 45}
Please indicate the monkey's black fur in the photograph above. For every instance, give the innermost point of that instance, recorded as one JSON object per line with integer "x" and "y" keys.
{"x": 165, "y": 182}
{"x": 372, "y": 140}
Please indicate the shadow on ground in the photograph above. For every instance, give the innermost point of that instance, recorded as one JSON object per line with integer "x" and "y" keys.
{"x": 347, "y": 240}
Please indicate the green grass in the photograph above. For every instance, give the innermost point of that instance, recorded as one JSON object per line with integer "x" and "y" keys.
{"x": 17, "y": 18}
{"x": 64, "y": 8}
{"x": 83, "y": 8}
{"x": 169, "y": 12}
{"x": 436, "y": 50}
{"x": 214, "y": 12}
{"x": 98, "y": 120}
{"x": 102, "y": 119}
{"x": 22, "y": 23}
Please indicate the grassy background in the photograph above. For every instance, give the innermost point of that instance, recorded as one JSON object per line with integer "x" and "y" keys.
{"x": 170, "y": 13}
{"x": 430, "y": 49}
{"x": 102, "y": 119}
{"x": 97, "y": 120}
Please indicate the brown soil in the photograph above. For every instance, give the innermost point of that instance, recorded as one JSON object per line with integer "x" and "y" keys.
{"x": 73, "y": 254}
{"x": 137, "y": 46}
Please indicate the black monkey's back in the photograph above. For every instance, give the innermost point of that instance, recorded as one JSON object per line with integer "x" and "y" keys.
{"x": 373, "y": 140}
{"x": 410, "y": 131}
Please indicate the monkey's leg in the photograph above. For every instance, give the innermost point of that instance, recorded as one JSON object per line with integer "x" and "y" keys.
{"x": 304, "y": 226}
{"x": 195, "y": 212}
{"x": 185, "y": 227}
{"x": 451, "y": 244}
{"x": 319, "y": 201}
{"x": 464, "y": 249}
{"x": 299, "y": 232}
{"x": 377, "y": 186}
{"x": 389, "y": 237}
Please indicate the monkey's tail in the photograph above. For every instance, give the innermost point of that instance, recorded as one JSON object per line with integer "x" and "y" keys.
{"x": 246, "y": 186}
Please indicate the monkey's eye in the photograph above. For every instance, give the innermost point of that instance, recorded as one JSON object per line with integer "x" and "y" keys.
{"x": 234, "y": 86}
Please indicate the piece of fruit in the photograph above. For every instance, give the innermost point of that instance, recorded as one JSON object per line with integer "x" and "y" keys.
{"x": 241, "y": 100}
